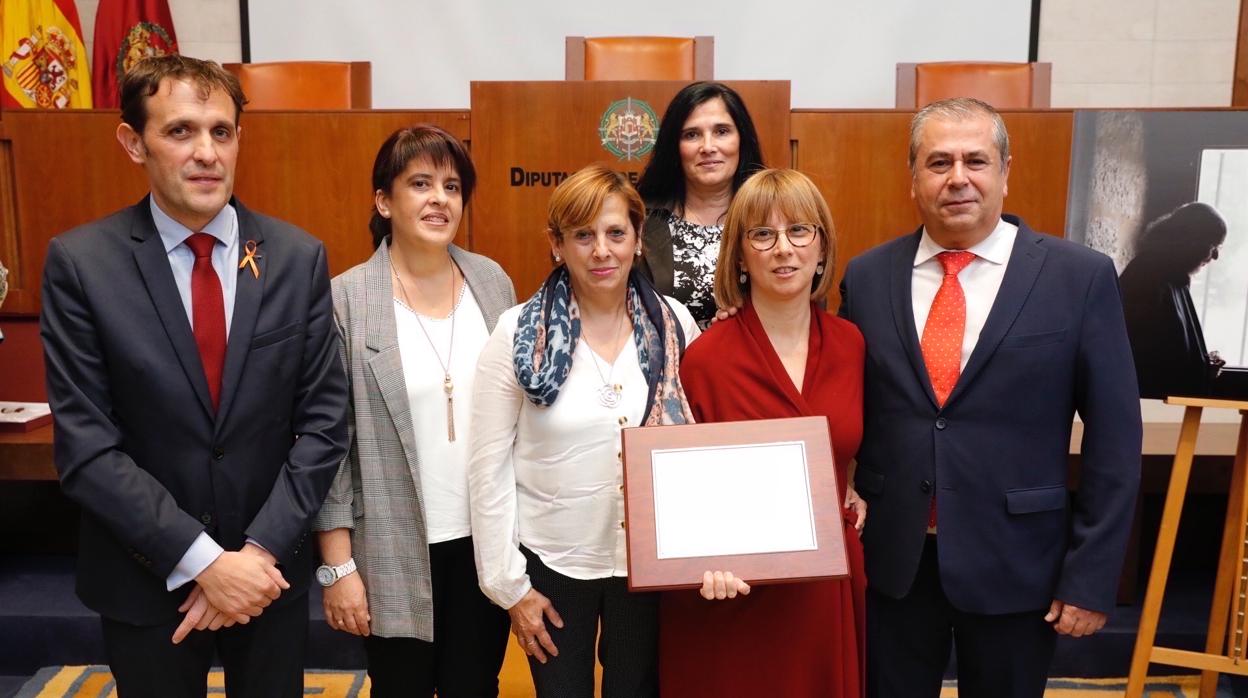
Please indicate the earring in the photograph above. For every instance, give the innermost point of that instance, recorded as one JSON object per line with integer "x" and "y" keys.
{"x": 558, "y": 259}
{"x": 819, "y": 268}
{"x": 638, "y": 252}
{"x": 743, "y": 278}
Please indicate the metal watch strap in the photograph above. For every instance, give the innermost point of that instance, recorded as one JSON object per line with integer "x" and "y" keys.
{"x": 344, "y": 569}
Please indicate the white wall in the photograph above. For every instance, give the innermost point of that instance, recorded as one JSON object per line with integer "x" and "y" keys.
{"x": 1105, "y": 53}
{"x": 835, "y": 53}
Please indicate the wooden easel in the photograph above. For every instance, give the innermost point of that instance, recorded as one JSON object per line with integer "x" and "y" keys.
{"x": 1226, "y": 645}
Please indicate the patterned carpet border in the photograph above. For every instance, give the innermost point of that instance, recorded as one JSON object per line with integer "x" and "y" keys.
{"x": 95, "y": 681}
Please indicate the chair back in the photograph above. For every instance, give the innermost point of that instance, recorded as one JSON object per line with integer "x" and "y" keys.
{"x": 639, "y": 58}
{"x": 1003, "y": 85}
{"x": 306, "y": 85}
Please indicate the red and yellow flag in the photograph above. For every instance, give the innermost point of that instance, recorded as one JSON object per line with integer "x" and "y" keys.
{"x": 127, "y": 31}
{"x": 44, "y": 60}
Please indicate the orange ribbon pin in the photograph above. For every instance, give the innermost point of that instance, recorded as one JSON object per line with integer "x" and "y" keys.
{"x": 252, "y": 255}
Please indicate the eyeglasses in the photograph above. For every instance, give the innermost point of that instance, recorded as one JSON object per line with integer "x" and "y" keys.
{"x": 799, "y": 235}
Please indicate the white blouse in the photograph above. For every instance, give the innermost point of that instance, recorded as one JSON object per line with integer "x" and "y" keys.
{"x": 443, "y": 463}
{"x": 551, "y": 478}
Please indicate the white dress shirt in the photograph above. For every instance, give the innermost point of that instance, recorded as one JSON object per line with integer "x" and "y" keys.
{"x": 980, "y": 280}
{"x": 443, "y": 463}
{"x": 551, "y": 478}
{"x": 224, "y": 227}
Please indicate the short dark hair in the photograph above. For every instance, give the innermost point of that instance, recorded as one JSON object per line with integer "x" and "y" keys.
{"x": 413, "y": 143}
{"x": 662, "y": 183}
{"x": 144, "y": 78}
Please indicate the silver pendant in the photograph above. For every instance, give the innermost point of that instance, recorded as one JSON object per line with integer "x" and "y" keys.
{"x": 609, "y": 395}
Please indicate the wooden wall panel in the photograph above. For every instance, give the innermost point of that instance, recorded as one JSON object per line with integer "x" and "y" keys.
{"x": 552, "y": 127}
{"x": 314, "y": 169}
{"x": 858, "y": 160}
{"x": 66, "y": 168}
{"x": 310, "y": 168}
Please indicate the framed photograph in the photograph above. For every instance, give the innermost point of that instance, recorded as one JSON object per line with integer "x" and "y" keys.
{"x": 1165, "y": 195}
{"x": 758, "y": 498}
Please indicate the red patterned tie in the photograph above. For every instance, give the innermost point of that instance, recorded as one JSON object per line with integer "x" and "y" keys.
{"x": 946, "y": 325}
{"x": 207, "y": 312}
{"x": 943, "y": 333}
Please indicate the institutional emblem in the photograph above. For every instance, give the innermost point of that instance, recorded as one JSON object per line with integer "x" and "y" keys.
{"x": 628, "y": 128}
{"x": 41, "y": 67}
{"x": 144, "y": 40}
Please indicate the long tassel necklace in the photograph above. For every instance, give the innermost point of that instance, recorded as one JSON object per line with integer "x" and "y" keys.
{"x": 448, "y": 386}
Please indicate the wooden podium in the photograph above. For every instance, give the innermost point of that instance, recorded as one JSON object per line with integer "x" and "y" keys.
{"x": 528, "y": 136}
{"x": 1226, "y": 647}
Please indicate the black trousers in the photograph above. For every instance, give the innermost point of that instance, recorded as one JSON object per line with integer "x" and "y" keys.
{"x": 628, "y": 644}
{"x": 469, "y": 637}
{"x": 909, "y": 640}
{"x": 262, "y": 659}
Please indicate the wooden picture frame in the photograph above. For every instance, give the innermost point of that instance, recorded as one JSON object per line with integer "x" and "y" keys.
{"x": 779, "y": 479}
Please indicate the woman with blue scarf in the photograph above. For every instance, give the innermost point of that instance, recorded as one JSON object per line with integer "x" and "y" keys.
{"x": 594, "y": 351}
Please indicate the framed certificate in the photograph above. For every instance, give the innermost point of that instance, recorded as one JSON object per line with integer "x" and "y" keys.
{"x": 759, "y": 498}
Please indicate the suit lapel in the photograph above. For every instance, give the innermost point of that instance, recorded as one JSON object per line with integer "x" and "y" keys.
{"x": 248, "y": 294}
{"x": 489, "y": 295}
{"x": 902, "y": 268}
{"x": 382, "y": 335}
{"x": 1026, "y": 259}
{"x": 153, "y": 262}
{"x": 657, "y": 251}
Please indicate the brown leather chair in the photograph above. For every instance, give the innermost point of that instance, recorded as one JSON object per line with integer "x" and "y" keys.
{"x": 306, "y": 84}
{"x": 1003, "y": 85}
{"x": 639, "y": 58}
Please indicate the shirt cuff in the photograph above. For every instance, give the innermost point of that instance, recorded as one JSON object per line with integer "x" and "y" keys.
{"x": 203, "y": 552}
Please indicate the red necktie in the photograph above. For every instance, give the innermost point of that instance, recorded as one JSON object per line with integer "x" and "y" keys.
{"x": 943, "y": 334}
{"x": 207, "y": 312}
{"x": 946, "y": 326}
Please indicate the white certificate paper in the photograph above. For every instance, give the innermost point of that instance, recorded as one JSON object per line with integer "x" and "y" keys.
{"x": 732, "y": 500}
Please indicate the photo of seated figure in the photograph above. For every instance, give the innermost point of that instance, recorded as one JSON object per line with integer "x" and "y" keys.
{"x": 1162, "y": 320}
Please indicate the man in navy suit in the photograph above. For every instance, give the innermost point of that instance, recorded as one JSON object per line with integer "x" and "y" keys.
{"x": 984, "y": 339}
{"x": 198, "y": 401}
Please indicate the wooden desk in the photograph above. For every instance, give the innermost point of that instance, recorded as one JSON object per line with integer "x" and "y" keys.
{"x": 27, "y": 456}
{"x": 1160, "y": 438}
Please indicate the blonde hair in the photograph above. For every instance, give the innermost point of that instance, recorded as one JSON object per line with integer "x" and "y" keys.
{"x": 798, "y": 199}
{"x": 579, "y": 198}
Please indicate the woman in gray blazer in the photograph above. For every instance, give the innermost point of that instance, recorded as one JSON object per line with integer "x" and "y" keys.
{"x": 395, "y": 529}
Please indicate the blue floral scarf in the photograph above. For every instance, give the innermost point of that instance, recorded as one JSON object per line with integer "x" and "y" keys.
{"x": 550, "y": 326}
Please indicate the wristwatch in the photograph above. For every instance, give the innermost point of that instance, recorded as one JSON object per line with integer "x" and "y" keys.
{"x": 327, "y": 575}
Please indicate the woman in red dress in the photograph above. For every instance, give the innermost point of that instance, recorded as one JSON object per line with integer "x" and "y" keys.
{"x": 781, "y": 355}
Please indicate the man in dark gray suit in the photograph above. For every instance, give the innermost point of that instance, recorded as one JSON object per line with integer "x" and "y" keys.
{"x": 198, "y": 400}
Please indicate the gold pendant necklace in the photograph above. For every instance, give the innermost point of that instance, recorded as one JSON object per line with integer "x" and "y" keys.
{"x": 448, "y": 386}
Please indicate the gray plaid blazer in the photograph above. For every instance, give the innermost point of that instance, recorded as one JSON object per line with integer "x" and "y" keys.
{"x": 377, "y": 493}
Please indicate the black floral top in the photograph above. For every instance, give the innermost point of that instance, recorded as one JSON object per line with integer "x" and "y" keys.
{"x": 695, "y": 250}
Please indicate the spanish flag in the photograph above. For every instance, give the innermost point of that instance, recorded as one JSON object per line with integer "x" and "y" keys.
{"x": 126, "y": 32}
{"x": 44, "y": 60}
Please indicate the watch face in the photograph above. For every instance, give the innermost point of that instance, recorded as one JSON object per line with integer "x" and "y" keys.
{"x": 324, "y": 575}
